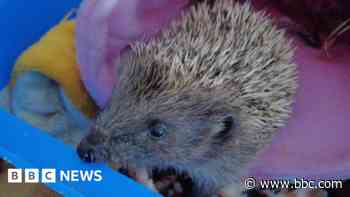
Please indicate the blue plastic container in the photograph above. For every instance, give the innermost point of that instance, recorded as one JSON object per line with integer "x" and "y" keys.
{"x": 22, "y": 23}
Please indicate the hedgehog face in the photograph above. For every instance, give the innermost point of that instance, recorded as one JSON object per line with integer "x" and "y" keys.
{"x": 160, "y": 132}
{"x": 173, "y": 134}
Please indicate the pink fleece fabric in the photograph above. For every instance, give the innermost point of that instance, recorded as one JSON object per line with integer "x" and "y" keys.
{"x": 314, "y": 144}
{"x": 106, "y": 28}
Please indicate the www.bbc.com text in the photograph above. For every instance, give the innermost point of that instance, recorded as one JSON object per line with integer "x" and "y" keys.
{"x": 252, "y": 183}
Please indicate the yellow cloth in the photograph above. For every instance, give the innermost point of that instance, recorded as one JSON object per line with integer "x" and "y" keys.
{"x": 55, "y": 57}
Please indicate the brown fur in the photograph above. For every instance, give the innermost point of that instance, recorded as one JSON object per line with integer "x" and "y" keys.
{"x": 220, "y": 80}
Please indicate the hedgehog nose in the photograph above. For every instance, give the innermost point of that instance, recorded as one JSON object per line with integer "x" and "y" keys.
{"x": 86, "y": 152}
{"x": 92, "y": 152}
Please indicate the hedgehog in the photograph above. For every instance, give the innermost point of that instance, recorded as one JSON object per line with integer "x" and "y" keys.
{"x": 202, "y": 98}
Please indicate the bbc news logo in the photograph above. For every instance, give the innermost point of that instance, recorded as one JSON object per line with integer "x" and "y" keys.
{"x": 52, "y": 175}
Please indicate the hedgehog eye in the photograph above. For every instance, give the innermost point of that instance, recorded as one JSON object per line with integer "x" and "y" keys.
{"x": 157, "y": 129}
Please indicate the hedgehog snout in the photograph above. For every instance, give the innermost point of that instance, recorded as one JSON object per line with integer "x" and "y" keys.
{"x": 92, "y": 149}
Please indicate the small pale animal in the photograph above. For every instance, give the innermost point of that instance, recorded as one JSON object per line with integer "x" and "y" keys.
{"x": 202, "y": 98}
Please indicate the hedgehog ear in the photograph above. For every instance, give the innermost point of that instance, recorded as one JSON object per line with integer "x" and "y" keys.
{"x": 225, "y": 126}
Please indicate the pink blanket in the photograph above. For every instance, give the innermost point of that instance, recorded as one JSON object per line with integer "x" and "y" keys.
{"x": 314, "y": 144}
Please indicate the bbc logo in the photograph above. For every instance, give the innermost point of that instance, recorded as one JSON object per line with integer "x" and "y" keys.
{"x": 49, "y": 175}
{"x": 31, "y": 175}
